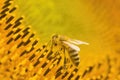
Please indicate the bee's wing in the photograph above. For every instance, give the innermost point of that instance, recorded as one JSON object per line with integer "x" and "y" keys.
{"x": 77, "y": 42}
{"x": 71, "y": 45}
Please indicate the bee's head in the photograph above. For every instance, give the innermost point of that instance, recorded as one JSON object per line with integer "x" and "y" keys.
{"x": 55, "y": 36}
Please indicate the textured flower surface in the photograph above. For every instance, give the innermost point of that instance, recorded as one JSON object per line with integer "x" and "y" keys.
{"x": 26, "y": 27}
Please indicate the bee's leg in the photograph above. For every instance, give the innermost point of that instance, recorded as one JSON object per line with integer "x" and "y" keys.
{"x": 64, "y": 59}
{"x": 64, "y": 62}
{"x": 68, "y": 64}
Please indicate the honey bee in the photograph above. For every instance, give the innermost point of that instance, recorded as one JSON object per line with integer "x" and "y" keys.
{"x": 70, "y": 45}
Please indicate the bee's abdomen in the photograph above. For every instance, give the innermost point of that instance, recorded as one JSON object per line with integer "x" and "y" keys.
{"x": 74, "y": 57}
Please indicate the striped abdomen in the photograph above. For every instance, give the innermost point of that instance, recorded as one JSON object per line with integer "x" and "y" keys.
{"x": 74, "y": 56}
